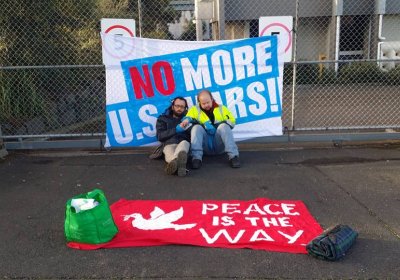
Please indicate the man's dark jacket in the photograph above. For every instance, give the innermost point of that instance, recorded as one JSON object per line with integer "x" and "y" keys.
{"x": 166, "y": 129}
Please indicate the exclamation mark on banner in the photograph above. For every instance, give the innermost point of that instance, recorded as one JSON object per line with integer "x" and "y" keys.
{"x": 273, "y": 92}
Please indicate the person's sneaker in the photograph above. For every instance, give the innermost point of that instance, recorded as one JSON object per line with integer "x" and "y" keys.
{"x": 196, "y": 163}
{"x": 235, "y": 162}
{"x": 171, "y": 167}
{"x": 182, "y": 159}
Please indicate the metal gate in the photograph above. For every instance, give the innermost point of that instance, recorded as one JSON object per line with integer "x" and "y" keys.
{"x": 344, "y": 73}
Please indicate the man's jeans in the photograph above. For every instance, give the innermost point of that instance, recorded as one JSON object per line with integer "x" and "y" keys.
{"x": 216, "y": 144}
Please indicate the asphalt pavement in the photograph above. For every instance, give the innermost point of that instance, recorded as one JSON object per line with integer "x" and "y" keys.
{"x": 354, "y": 185}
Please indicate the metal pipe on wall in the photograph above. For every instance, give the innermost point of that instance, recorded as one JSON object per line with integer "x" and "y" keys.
{"x": 140, "y": 17}
{"x": 221, "y": 19}
{"x": 296, "y": 25}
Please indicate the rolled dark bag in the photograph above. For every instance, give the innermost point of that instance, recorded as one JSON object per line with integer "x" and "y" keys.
{"x": 333, "y": 243}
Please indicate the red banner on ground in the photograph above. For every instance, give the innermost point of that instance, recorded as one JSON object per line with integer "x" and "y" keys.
{"x": 274, "y": 225}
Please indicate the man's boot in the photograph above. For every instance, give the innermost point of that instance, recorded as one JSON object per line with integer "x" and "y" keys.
{"x": 196, "y": 163}
{"x": 182, "y": 159}
{"x": 235, "y": 162}
{"x": 171, "y": 167}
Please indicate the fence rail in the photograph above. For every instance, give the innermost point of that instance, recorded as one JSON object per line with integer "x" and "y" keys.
{"x": 344, "y": 73}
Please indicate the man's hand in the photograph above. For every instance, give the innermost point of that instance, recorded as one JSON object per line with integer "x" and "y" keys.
{"x": 184, "y": 123}
{"x": 179, "y": 128}
{"x": 210, "y": 129}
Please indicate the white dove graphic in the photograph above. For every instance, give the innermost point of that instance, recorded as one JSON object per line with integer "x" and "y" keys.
{"x": 158, "y": 220}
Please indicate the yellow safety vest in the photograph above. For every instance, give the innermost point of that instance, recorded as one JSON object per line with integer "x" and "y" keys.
{"x": 221, "y": 114}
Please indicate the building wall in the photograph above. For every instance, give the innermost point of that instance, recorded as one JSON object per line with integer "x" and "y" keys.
{"x": 312, "y": 38}
{"x": 358, "y": 7}
{"x": 316, "y": 34}
{"x": 391, "y": 27}
{"x": 368, "y": 42}
{"x": 315, "y": 8}
{"x": 179, "y": 26}
{"x": 312, "y": 32}
{"x": 233, "y": 30}
{"x": 236, "y": 30}
{"x": 392, "y": 7}
{"x": 254, "y": 9}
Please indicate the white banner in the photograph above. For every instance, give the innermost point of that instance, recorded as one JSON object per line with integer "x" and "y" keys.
{"x": 144, "y": 75}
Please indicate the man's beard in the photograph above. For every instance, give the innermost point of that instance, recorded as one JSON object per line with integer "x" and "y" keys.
{"x": 176, "y": 114}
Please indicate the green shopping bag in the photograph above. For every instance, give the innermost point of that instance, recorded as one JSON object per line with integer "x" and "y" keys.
{"x": 92, "y": 226}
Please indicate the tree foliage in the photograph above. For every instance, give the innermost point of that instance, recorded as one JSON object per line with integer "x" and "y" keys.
{"x": 66, "y": 32}
{"x": 190, "y": 33}
{"x": 47, "y": 32}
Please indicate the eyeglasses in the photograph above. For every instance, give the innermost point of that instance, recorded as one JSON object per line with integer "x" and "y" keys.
{"x": 179, "y": 106}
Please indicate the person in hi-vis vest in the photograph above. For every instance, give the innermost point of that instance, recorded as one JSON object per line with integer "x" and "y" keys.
{"x": 212, "y": 130}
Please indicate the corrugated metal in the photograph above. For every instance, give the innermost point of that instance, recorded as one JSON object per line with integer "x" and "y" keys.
{"x": 249, "y": 10}
{"x": 254, "y": 9}
{"x": 312, "y": 8}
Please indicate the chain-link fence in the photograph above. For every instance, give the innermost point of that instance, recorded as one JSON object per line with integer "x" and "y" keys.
{"x": 344, "y": 71}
